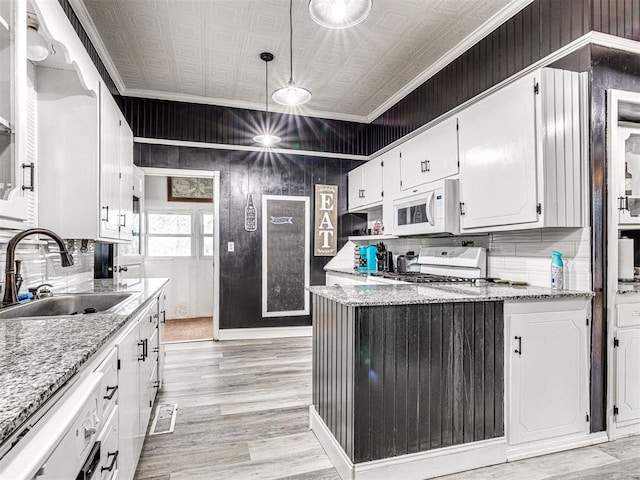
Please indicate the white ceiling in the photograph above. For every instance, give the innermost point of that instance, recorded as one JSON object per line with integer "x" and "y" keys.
{"x": 208, "y": 50}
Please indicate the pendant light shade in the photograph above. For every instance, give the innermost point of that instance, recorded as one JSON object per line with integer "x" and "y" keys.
{"x": 291, "y": 95}
{"x": 266, "y": 139}
{"x": 339, "y": 13}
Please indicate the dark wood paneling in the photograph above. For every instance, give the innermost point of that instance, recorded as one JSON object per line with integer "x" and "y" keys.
{"x": 169, "y": 120}
{"x": 426, "y": 376}
{"x": 259, "y": 174}
{"x": 333, "y": 356}
{"x": 539, "y": 29}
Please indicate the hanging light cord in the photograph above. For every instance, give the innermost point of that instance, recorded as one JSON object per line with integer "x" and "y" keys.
{"x": 266, "y": 87}
{"x": 291, "y": 40}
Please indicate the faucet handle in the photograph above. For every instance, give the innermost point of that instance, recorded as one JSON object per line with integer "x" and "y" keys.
{"x": 41, "y": 291}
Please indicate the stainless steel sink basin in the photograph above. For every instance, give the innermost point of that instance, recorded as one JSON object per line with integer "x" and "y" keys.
{"x": 71, "y": 304}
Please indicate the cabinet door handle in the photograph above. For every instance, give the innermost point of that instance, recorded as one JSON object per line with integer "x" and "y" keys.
{"x": 124, "y": 220}
{"x": 114, "y": 458}
{"x": 141, "y": 357}
{"x": 113, "y": 391}
{"x": 106, "y": 210}
{"x": 32, "y": 174}
{"x": 462, "y": 212}
{"x": 361, "y": 193}
{"x": 519, "y": 349}
{"x": 146, "y": 348}
{"x": 123, "y": 269}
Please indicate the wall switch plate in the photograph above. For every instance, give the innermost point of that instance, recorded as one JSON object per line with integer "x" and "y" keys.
{"x": 231, "y": 247}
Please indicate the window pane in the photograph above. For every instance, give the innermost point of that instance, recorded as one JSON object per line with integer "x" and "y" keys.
{"x": 169, "y": 246}
{"x": 207, "y": 223}
{"x": 207, "y": 247}
{"x": 169, "y": 223}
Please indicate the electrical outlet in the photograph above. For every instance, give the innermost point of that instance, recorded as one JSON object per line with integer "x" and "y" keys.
{"x": 231, "y": 247}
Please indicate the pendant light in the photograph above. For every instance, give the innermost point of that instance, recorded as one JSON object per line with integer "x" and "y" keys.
{"x": 339, "y": 13}
{"x": 266, "y": 139}
{"x": 291, "y": 95}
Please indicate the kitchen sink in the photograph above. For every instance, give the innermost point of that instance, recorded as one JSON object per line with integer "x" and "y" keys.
{"x": 66, "y": 304}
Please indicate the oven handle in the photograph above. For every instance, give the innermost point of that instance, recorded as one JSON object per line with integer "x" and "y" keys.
{"x": 91, "y": 464}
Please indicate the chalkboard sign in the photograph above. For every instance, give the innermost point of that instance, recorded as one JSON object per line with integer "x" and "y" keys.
{"x": 285, "y": 256}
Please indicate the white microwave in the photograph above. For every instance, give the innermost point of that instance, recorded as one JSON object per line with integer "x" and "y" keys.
{"x": 428, "y": 209}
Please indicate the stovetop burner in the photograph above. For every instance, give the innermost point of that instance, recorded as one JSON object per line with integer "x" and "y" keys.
{"x": 425, "y": 278}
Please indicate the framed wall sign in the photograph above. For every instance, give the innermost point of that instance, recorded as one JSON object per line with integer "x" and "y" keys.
{"x": 190, "y": 189}
{"x": 325, "y": 242}
{"x": 285, "y": 255}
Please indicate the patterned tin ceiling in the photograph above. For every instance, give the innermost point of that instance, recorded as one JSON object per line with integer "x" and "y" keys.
{"x": 208, "y": 50}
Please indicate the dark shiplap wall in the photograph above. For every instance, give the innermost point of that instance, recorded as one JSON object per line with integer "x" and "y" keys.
{"x": 193, "y": 122}
{"x": 259, "y": 173}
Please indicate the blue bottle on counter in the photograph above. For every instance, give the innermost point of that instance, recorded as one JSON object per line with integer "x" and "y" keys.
{"x": 557, "y": 271}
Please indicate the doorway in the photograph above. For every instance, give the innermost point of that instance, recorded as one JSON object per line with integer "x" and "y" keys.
{"x": 180, "y": 241}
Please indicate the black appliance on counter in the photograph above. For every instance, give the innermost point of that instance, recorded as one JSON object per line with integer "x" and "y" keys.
{"x": 384, "y": 259}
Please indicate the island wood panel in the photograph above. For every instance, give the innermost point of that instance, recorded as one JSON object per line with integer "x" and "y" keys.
{"x": 333, "y": 360}
{"x": 426, "y": 377}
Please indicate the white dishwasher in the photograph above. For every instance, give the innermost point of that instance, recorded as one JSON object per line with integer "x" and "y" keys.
{"x": 65, "y": 445}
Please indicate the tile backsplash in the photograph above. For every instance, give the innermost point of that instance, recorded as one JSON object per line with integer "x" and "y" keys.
{"x": 41, "y": 264}
{"x": 521, "y": 255}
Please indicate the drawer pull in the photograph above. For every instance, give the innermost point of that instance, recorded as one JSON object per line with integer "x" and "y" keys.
{"x": 114, "y": 458}
{"x": 142, "y": 343}
{"x": 113, "y": 391}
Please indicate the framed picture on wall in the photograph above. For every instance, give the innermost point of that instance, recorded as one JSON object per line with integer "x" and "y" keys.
{"x": 189, "y": 189}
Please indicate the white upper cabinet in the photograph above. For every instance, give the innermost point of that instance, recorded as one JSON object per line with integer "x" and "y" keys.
{"x": 14, "y": 199}
{"x": 430, "y": 156}
{"x": 520, "y": 155}
{"x": 84, "y": 142}
{"x": 365, "y": 185}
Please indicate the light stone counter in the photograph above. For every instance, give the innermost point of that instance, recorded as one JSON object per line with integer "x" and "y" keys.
{"x": 38, "y": 355}
{"x": 380, "y": 295}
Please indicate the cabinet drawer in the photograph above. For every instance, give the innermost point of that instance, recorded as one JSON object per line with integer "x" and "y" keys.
{"x": 109, "y": 386}
{"x": 628, "y": 315}
{"x": 109, "y": 448}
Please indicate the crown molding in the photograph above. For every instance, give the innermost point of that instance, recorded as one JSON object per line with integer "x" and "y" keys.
{"x": 470, "y": 40}
{"x": 92, "y": 32}
{"x": 183, "y": 97}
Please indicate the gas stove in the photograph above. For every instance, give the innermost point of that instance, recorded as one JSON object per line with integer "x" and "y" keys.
{"x": 446, "y": 265}
{"x": 424, "y": 278}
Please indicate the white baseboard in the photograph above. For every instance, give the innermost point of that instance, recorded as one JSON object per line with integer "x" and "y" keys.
{"x": 268, "y": 332}
{"x": 414, "y": 466}
{"x": 332, "y": 448}
{"x": 544, "y": 447}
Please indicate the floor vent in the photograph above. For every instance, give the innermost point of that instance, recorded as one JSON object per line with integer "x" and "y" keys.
{"x": 164, "y": 420}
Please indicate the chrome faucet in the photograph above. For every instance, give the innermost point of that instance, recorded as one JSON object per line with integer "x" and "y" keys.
{"x": 10, "y": 290}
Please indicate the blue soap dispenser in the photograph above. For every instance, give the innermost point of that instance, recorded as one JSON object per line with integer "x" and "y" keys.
{"x": 557, "y": 267}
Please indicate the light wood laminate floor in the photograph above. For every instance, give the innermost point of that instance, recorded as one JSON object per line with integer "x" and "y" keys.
{"x": 188, "y": 329}
{"x": 243, "y": 414}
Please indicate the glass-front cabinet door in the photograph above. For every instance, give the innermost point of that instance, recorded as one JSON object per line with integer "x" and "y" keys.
{"x": 628, "y": 175}
{"x": 13, "y": 124}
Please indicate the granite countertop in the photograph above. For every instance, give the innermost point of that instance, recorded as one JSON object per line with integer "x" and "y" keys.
{"x": 372, "y": 295}
{"x": 38, "y": 355}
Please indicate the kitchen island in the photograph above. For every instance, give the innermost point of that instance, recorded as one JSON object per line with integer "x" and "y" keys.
{"x": 42, "y": 359}
{"x": 409, "y": 380}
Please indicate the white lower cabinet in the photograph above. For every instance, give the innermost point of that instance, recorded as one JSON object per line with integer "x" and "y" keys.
{"x": 109, "y": 448}
{"x": 138, "y": 386}
{"x": 626, "y": 359}
{"x": 548, "y": 370}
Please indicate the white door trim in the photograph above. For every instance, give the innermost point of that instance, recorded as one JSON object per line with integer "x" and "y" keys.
{"x": 174, "y": 172}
